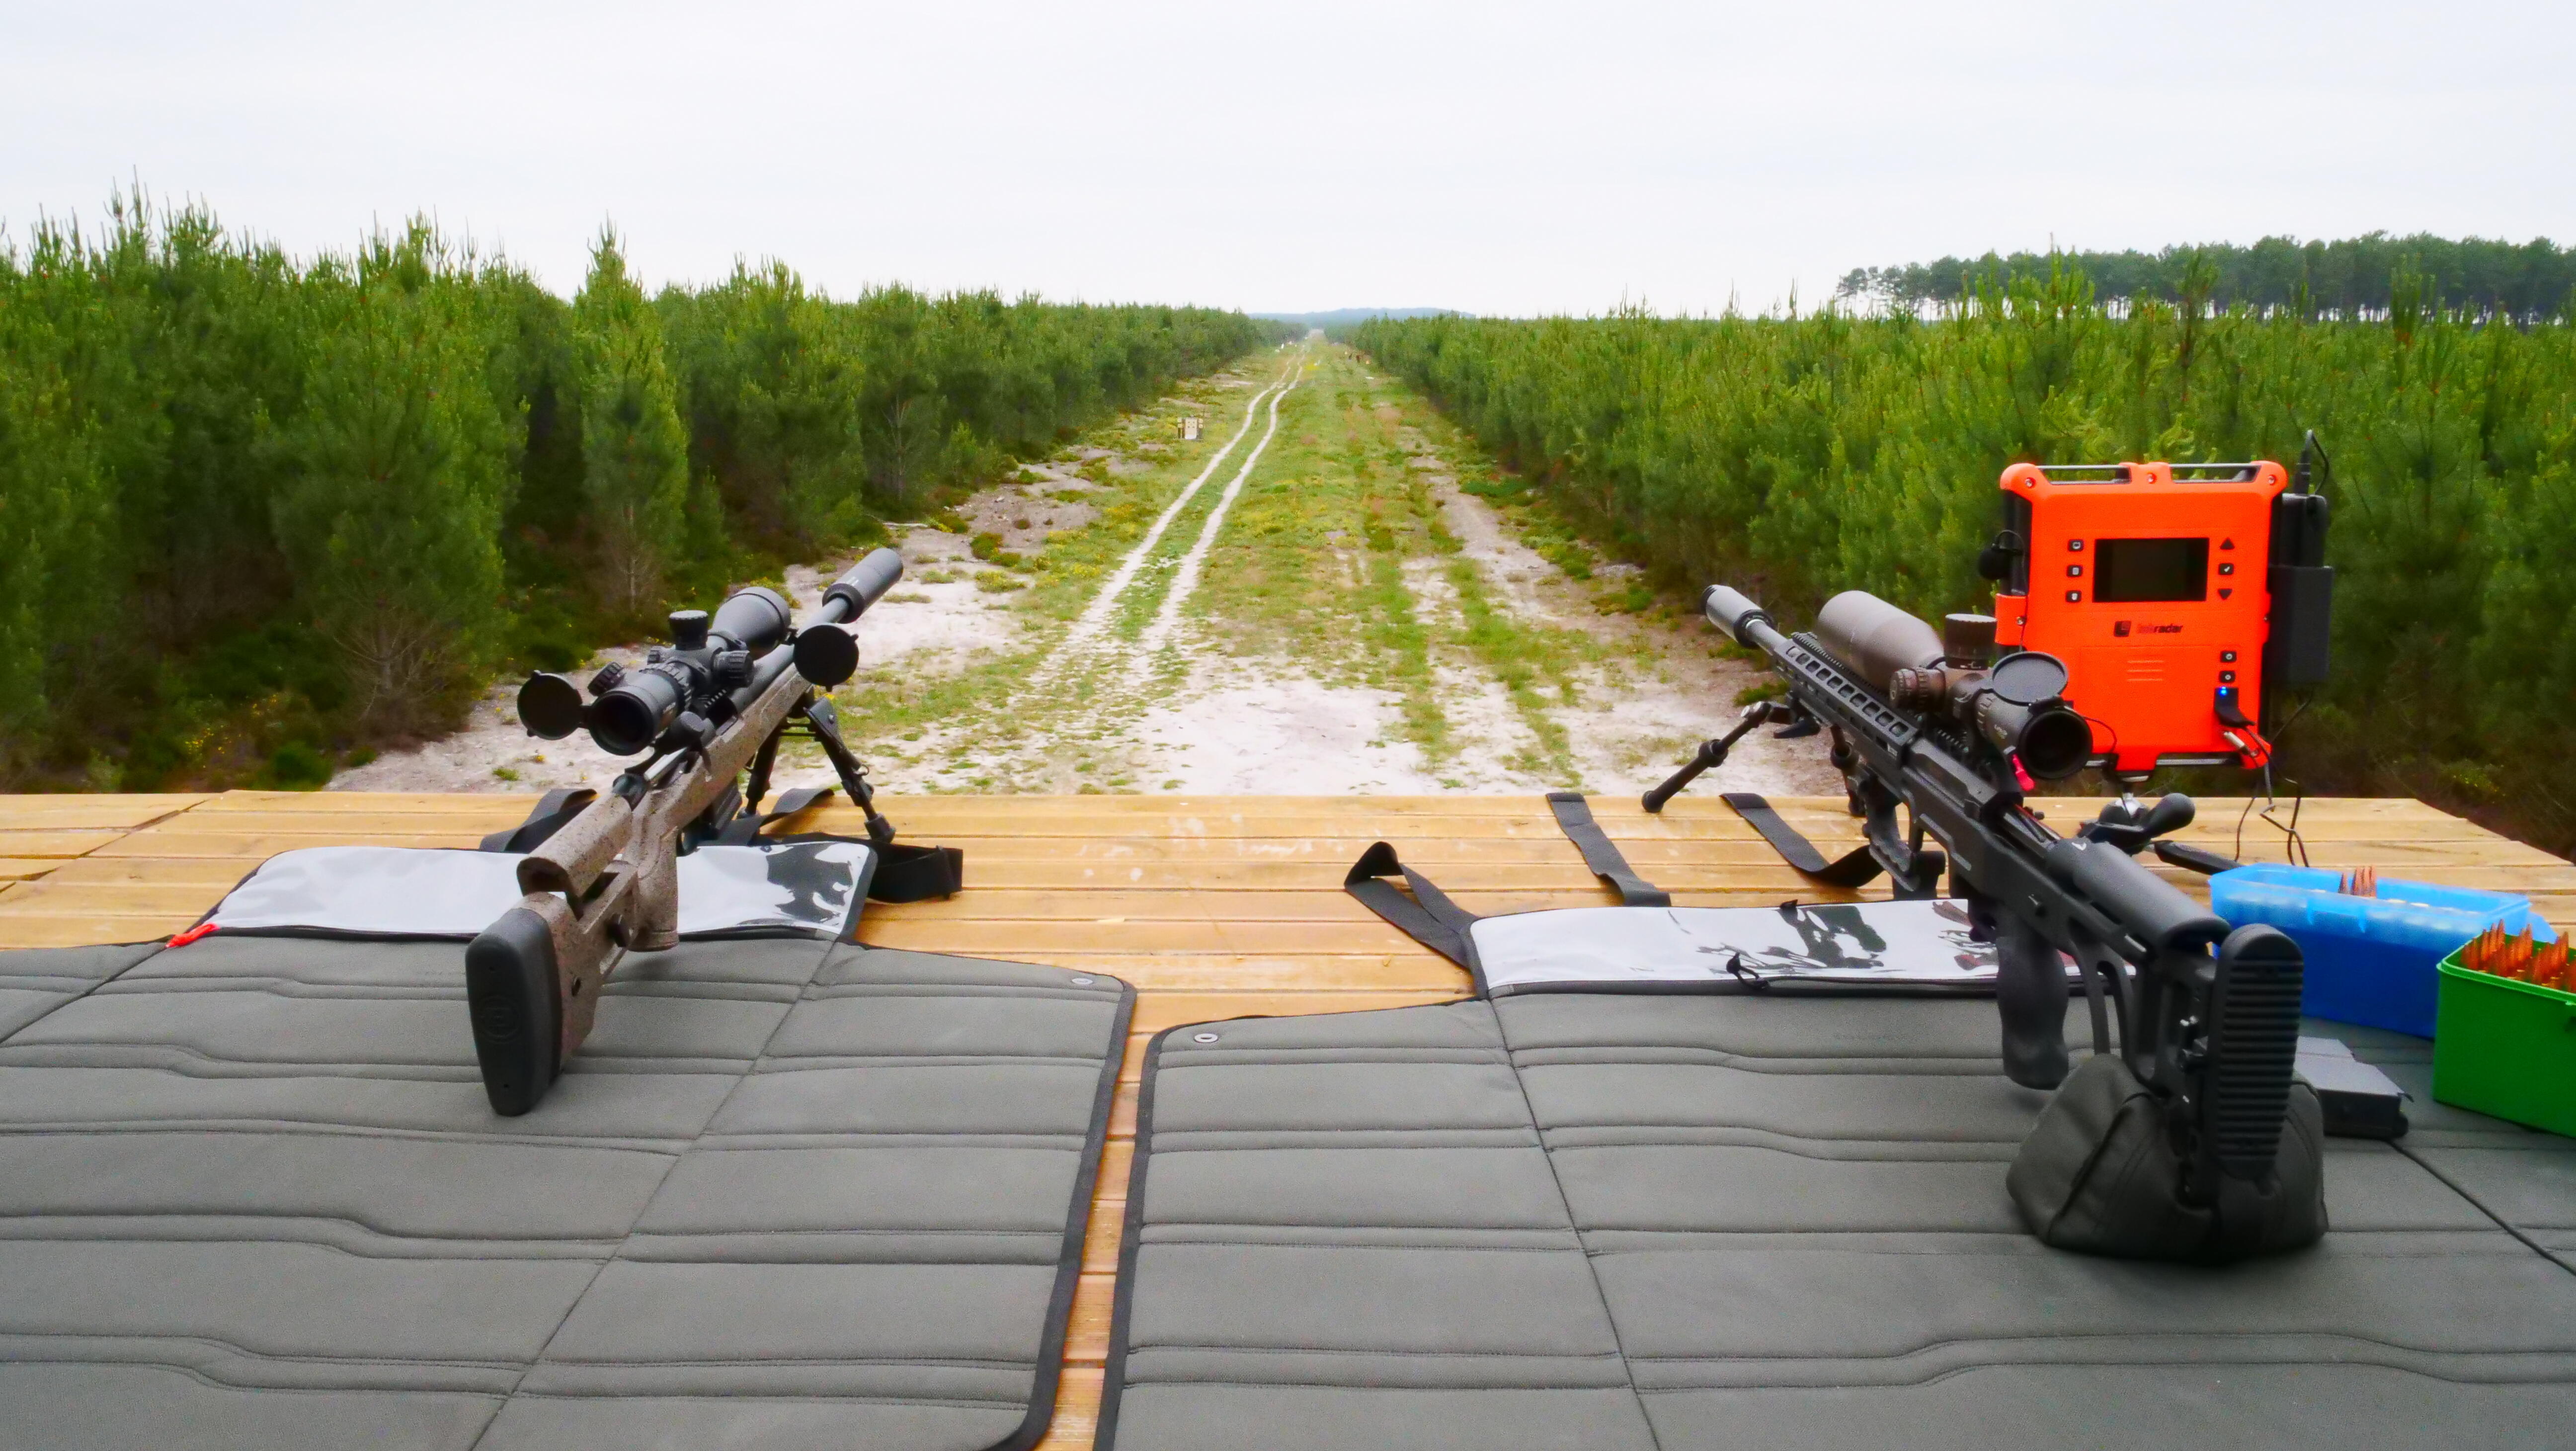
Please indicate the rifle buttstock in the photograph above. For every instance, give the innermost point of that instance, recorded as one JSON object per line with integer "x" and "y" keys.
{"x": 511, "y": 991}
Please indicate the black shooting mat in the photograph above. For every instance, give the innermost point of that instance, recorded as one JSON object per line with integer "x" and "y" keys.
{"x": 1604, "y": 1220}
{"x": 790, "y": 1194}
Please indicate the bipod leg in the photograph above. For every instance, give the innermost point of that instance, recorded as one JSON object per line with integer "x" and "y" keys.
{"x": 1710, "y": 753}
{"x": 761, "y": 764}
{"x": 825, "y": 724}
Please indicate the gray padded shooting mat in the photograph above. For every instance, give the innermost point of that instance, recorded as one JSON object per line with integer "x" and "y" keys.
{"x": 1656, "y": 1222}
{"x": 790, "y": 1194}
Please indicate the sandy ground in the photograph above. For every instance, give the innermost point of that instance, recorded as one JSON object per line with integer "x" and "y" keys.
{"x": 1164, "y": 710}
{"x": 947, "y": 621}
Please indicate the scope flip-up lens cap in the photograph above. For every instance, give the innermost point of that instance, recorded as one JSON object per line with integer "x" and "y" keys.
{"x": 826, "y": 656}
{"x": 550, "y": 707}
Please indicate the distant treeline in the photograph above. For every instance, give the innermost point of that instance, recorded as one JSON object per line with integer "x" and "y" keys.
{"x": 1802, "y": 456}
{"x": 1341, "y": 319}
{"x": 257, "y": 511}
{"x": 2526, "y": 282}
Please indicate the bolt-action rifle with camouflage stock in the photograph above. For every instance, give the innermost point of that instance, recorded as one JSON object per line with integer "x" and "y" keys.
{"x": 605, "y": 882}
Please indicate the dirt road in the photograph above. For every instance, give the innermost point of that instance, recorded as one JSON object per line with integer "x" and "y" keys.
{"x": 1330, "y": 591}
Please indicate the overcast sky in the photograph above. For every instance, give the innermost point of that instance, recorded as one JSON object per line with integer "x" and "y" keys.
{"x": 1500, "y": 158}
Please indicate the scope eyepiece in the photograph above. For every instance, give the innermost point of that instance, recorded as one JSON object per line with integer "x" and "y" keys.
{"x": 632, "y": 715}
{"x": 2050, "y": 739}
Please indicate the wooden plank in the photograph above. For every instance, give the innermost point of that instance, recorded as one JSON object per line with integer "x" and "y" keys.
{"x": 1736, "y": 863}
{"x": 513, "y": 804}
{"x": 25, "y": 869}
{"x": 1355, "y": 832}
{"x": 1077, "y": 1410}
{"x": 1419, "y": 970}
{"x": 33, "y": 929}
{"x": 153, "y": 871}
{"x": 1110, "y": 812}
{"x": 336, "y": 825}
{"x": 1157, "y": 1011}
{"x": 1109, "y": 809}
{"x": 1002, "y": 904}
{"x": 1086, "y": 1332}
{"x": 1101, "y": 1240}
{"x": 251, "y": 850}
{"x": 91, "y": 812}
{"x": 54, "y": 845}
{"x": 111, "y": 899}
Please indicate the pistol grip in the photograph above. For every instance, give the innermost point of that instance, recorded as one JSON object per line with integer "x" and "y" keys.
{"x": 2030, "y": 996}
{"x": 511, "y": 988}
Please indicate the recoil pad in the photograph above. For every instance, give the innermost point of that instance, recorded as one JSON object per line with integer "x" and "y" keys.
{"x": 511, "y": 988}
{"x": 2253, "y": 1050}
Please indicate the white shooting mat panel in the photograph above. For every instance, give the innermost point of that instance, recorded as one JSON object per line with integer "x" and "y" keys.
{"x": 1848, "y": 942}
{"x": 807, "y": 887}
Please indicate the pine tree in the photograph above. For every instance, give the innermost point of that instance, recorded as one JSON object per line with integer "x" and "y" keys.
{"x": 635, "y": 472}
{"x": 53, "y": 533}
{"x": 398, "y": 467}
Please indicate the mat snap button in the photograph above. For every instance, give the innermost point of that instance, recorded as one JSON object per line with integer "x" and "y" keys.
{"x": 1203, "y": 1037}
{"x": 1082, "y": 980}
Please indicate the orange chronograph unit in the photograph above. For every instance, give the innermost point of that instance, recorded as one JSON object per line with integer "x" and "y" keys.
{"x": 2178, "y": 596}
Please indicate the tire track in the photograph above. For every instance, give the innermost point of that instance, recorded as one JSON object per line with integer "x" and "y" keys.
{"x": 1185, "y": 579}
{"x": 1087, "y": 628}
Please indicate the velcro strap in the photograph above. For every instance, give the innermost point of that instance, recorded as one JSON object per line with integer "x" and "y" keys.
{"x": 1852, "y": 869}
{"x": 553, "y": 811}
{"x": 1574, "y": 814}
{"x": 1428, "y": 916}
{"x": 907, "y": 873}
{"x": 745, "y": 829}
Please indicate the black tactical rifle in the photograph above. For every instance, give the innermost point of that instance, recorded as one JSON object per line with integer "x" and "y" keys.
{"x": 604, "y": 880}
{"x": 2208, "y": 1019}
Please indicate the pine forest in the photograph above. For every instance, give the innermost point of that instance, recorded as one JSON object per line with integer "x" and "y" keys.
{"x": 259, "y": 511}
{"x": 1799, "y": 456}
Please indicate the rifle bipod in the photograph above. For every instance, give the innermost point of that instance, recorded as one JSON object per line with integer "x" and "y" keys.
{"x": 904, "y": 873}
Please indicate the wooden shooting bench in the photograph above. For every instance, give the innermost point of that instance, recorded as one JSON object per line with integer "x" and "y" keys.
{"x": 1211, "y": 907}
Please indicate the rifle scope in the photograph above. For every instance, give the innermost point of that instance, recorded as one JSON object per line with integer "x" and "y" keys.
{"x": 710, "y": 659}
{"x": 2014, "y": 704}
